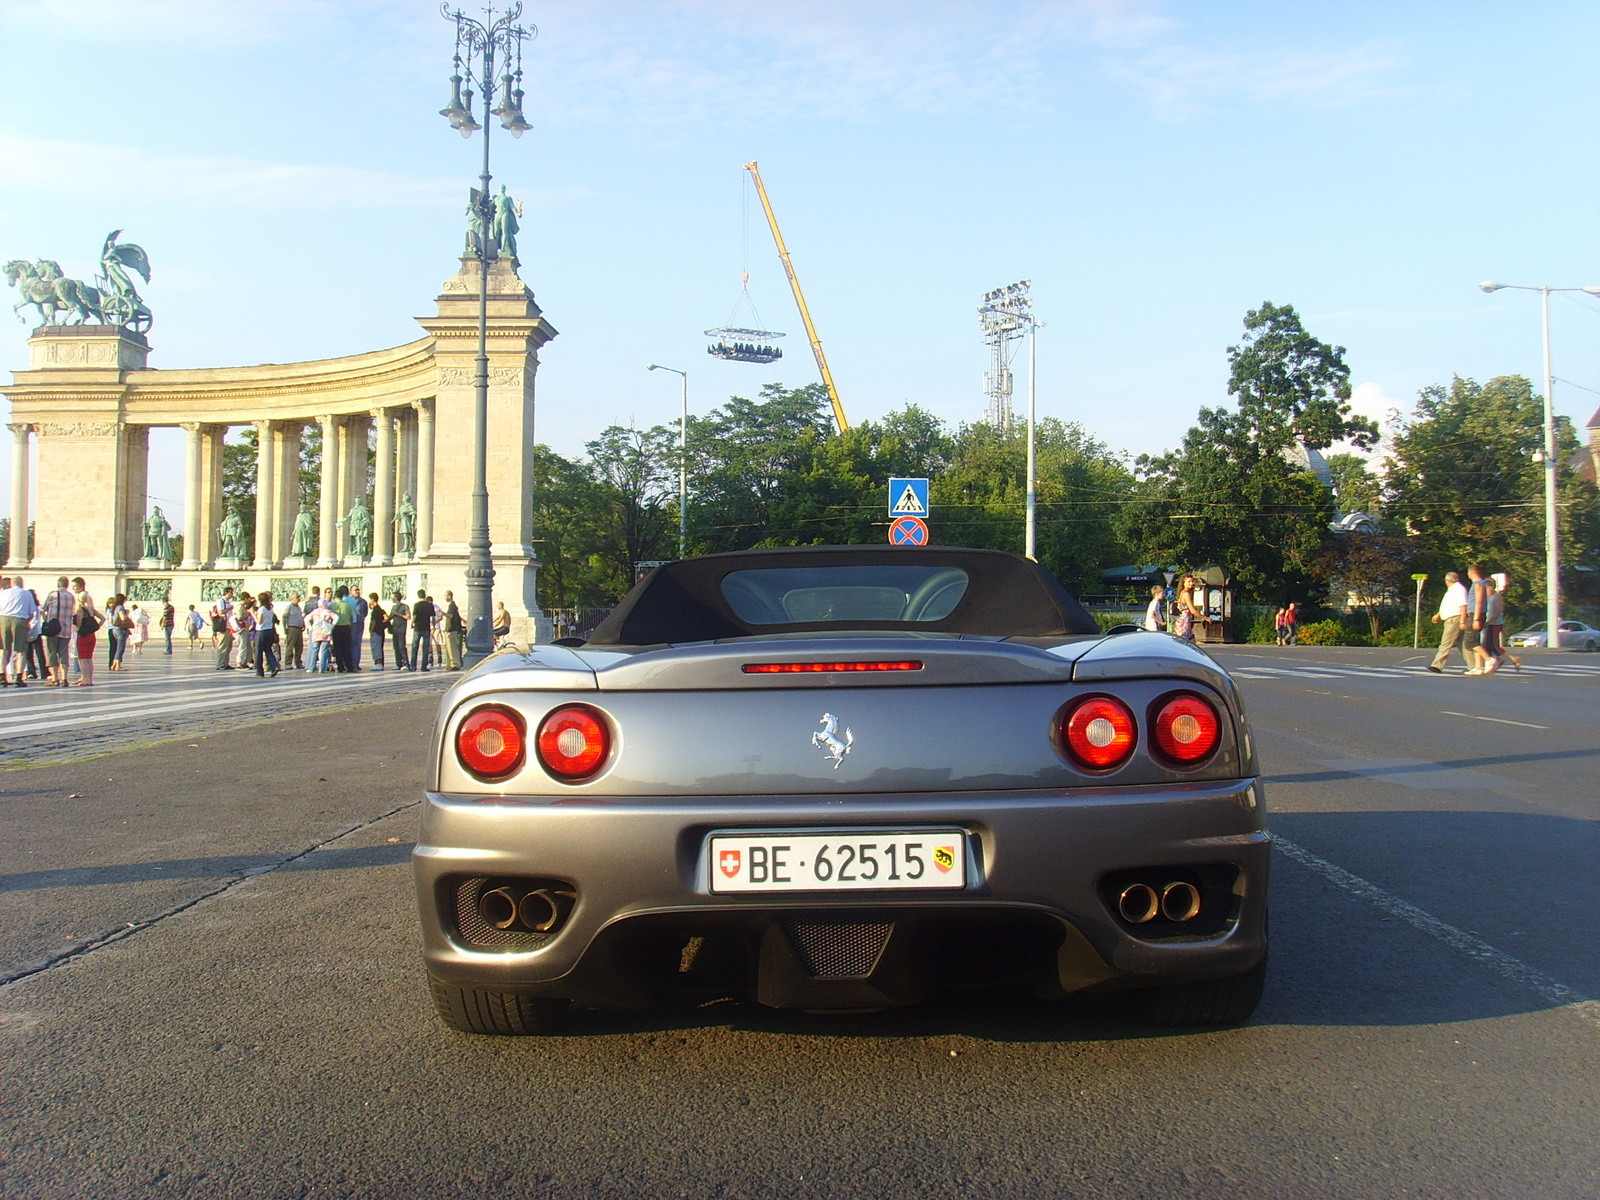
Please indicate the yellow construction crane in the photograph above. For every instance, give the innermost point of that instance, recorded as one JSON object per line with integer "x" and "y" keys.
{"x": 800, "y": 300}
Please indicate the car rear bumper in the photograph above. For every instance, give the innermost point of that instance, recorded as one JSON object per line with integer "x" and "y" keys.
{"x": 1039, "y": 863}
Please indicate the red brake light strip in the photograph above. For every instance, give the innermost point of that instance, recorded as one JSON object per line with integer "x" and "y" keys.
{"x": 807, "y": 668}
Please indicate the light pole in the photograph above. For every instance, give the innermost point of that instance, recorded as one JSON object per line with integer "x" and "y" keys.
{"x": 683, "y": 459}
{"x": 1552, "y": 533}
{"x": 1028, "y": 541}
{"x": 477, "y": 45}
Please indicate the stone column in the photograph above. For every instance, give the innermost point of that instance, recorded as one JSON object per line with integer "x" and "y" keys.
{"x": 19, "y": 497}
{"x": 424, "y": 477}
{"x": 406, "y": 467}
{"x": 192, "y": 547}
{"x": 214, "y": 437}
{"x": 266, "y": 496}
{"x": 329, "y": 514}
{"x": 383, "y": 490}
{"x": 286, "y": 471}
{"x": 134, "y": 492}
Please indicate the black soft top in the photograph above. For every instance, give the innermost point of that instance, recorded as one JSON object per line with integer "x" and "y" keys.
{"x": 1006, "y": 596}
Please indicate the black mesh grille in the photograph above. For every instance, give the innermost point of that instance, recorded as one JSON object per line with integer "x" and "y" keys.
{"x": 836, "y": 950}
{"x": 477, "y": 933}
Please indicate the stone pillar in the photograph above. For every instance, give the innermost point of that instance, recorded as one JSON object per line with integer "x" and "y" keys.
{"x": 133, "y": 493}
{"x": 383, "y": 490}
{"x": 19, "y": 498}
{"x": 286, "y": 471}
{"x": 424, "y": 497}
{"x": 213, "y": 438}
{"x": 329, "y": 509}
{"x": 192, "y": 539}
{"x": 406, "y": 468}
{"x": 266, "y": 496}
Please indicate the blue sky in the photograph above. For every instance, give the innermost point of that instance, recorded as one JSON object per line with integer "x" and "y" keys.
{"x": 1156, "y": 168}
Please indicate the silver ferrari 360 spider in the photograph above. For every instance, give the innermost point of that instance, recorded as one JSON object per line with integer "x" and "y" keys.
{"x": 843, "y": 778}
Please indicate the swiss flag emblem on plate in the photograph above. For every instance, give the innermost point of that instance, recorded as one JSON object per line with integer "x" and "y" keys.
{"x": 728, "y": 860}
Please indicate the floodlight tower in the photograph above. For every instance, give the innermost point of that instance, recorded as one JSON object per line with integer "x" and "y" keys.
{"x": 1004, "y": 318}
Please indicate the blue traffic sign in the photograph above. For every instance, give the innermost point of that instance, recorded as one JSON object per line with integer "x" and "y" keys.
{"x": 908, "y": 497}
{"x": 908, "y": 531}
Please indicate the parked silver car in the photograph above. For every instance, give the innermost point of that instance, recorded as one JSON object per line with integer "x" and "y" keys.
{"x": 843, "y": 778}
{"x": 1575, "y": 635}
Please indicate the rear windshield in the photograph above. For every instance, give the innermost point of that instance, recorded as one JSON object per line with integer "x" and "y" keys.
{"x": 879, "y": 592}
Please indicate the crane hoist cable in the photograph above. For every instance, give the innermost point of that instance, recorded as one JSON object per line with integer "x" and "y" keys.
{"x": 800, "y": 300}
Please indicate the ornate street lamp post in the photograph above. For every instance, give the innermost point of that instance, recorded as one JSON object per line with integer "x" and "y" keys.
{"x": 479, "y": 44}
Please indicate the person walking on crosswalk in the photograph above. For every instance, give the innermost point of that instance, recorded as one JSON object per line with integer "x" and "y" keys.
{"x": 1452, "y": 615}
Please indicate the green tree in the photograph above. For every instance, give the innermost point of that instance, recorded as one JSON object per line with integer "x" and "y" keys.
{"x": 239, "y": 482}
{"x": 1463, "y": 482}
{"x": 1229, "y": 494}
{"x": 1355, "y": 487}
{"x": 1370, "y": 570}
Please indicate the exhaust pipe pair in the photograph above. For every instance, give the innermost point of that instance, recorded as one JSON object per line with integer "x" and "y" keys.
{"x": 537, "y": 909}
{"x": 1139, "y": 902}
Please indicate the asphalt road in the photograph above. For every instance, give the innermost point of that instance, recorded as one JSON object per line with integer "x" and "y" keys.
{"x": 214, "y": 991}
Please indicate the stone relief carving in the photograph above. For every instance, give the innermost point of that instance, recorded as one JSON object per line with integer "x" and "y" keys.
{"x": 149, "y": 589}
{"x": 463, "y": 377}
{"x": 78, "y": 429}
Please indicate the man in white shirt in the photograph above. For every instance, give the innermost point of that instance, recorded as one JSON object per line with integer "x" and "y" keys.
{"x": 1452, "y": 613}
{"x": 17, "y": 607}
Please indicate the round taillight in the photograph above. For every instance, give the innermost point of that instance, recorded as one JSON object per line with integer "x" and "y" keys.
{"x": 1186, "y": 730}
{"x": 573, "y": 742}
{"x": 1100, "y": 733}
{"x": 491, "y": 742}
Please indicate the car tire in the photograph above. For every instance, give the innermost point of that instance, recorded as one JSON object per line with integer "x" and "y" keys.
{"x": 1226, "y": 1001}
{"x": 505, "y": 1014}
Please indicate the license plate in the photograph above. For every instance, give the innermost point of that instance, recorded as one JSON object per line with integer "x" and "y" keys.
{"x": 849, "y": 860}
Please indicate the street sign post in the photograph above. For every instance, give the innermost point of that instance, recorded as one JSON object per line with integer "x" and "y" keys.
{"x": 908, "y": 531}
{"x": 1416, "y": 629}
{"x": 908, "y": 497}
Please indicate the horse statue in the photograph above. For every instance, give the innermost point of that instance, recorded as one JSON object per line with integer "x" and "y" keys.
{"x": 115, "y": 302}
{"x": 38, "y": 287}
{"x": 828, "y": 738}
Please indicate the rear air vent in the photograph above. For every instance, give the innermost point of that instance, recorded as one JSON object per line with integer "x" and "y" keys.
{"x": 838, "y": 950}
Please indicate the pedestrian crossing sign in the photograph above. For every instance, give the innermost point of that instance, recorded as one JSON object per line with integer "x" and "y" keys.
{"x": 908, "y": 497}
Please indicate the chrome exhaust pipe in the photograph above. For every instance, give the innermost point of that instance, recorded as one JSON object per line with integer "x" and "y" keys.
{"x": 1180, "y": 901}
{"x": 1138, "y": 903}
{"x": 538, "y": 911}
{"x": 498, "y": 908}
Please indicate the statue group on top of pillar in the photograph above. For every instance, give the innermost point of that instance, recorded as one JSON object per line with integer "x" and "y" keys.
{"x": 231, "y": 531}
{"x": 405, "y": 526}
{"x": 359, "y": 520}
{"x": 157, "y": 536}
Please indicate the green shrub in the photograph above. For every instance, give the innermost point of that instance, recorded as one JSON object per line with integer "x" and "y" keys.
{"x": 1400, "y": 635}
{"x": 1324, "y": 633}
{"x": 1261, "y": 631}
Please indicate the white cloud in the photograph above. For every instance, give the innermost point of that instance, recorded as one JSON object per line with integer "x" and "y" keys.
{"x": 1182, "y": 81}
{"x": 31, "y": 165}
{"x": 1371, "y": 401}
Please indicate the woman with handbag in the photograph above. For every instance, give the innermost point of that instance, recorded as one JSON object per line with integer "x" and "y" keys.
{"x": 118, "y": 625}
{"x": 86, "y": 622}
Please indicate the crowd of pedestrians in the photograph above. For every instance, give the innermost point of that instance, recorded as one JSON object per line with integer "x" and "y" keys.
{"x": 328, "y": 632}
{"x": 43, "y": 639}
{"x": 1473, "y": 616}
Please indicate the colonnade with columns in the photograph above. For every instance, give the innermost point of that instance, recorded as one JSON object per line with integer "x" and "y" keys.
{"x": 393, "y": 423}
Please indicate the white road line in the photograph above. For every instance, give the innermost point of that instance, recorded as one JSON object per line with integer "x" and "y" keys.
{"x": 1552, "y": 991}
{"x": 1496, "y": 720}
{"x": 51, "y": 722}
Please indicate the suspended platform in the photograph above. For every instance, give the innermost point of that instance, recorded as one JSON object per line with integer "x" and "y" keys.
{"x": 744, "y": 345}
